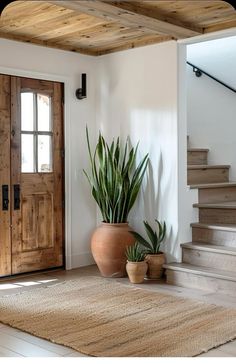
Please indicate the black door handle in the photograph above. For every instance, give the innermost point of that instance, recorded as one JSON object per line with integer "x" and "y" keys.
{"x": 5, "y": 199}
{"x": 16, "y": 197}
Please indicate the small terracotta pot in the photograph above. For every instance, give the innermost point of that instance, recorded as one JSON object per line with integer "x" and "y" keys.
{"x": 155, "y": 265}
{"x": 136, "y": 271}
{"x": 108, "y": 245}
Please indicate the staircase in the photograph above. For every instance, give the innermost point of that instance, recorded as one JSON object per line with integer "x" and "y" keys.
{"x": 209, "y": 261}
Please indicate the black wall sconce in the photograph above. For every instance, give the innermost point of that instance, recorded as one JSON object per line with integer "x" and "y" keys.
{"x": 81, "y": 93}
{"x": 197, "y": 71}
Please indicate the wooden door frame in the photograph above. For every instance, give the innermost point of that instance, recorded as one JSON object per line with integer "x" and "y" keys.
{"x": 67, "y": 161}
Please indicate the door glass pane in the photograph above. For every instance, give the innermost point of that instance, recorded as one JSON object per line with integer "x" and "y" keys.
{"x": 44, "y": 112}
{"x": 27, "y": 153}
{"x": 44, "y": 153}
{"x": 27, "y": 111}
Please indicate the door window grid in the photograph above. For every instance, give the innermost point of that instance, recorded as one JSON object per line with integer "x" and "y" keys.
{"x": 39, "y": 146}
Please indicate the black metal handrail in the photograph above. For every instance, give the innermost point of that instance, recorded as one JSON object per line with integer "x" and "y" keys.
{"x": 198, "y": 72}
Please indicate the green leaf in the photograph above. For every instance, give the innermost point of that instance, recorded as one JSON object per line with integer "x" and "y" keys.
{"x": 141, "y": 240}
{"x": 114, "y": 180}
{"x": 88, "y": 144}
{"x": 134, "y": 254}
{"x": 150, "y": 232}
{"x": 155, "y": 239}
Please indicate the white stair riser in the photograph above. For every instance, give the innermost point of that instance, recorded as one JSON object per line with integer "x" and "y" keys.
{"x": 221, "y": 194}
{"x": 210, "y": 284}
{"x": 214, "y": 236}
{"x": 197, "y": 157}
{"x": 217, "y": 216}
{"x": 209, "y": 259}
{"x": 208, "y": 175}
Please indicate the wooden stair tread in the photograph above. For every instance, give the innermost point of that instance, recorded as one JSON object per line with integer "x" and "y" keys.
{"x": 210, "y": 248}
{"x": 202, "y": 271}
{"x": 203, "y": 265}
{"x": 213, "y": 185}
{"x": 197, "y": 150}
{"x": 217, "y": 205}
{"x": 225, "y": 227}
{"x": 207, "y": 166}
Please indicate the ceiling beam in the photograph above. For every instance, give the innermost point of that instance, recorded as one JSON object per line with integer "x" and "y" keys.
{"x": 50, "y": 44}
{"x": 130, "y": 43}
{"x": 122, "y": 14}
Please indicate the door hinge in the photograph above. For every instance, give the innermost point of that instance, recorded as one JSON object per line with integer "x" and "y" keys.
{"x": 63, "y": 153}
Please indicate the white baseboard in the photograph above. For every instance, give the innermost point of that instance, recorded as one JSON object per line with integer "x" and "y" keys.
{"x": 81, "y": 260}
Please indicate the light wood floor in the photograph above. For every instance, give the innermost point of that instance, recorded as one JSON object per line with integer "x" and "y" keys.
{"x": 14, "y": 343}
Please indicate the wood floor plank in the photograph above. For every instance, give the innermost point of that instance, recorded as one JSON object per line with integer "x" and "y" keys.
{"x": 76, "y": 353}
{"x": 4, "y": 352}
{"x": 41, "y": 343}
{"x": 23, "y": 347}
{"x": 229, "y": 348}
{"x": 215, "y": 353}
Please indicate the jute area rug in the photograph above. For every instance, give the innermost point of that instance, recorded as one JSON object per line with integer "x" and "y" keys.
{"x": 100, "y": 317}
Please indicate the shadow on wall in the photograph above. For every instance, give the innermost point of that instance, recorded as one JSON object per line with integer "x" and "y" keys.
{"x": 148, "y": 207}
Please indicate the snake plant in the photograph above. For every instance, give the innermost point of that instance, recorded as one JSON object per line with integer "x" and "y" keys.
{"x": 115, "y": 181}
{"x": 151, "y": 246}
{"x": 134, "y": 254}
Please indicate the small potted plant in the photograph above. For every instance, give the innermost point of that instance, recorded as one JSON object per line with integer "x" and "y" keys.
{"x": 136, "y": 267}
{"x": 151, "y": 247}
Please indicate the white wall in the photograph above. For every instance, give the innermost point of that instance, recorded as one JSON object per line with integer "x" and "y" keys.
{"x": 211, "y": 108}
{"x": 135, "y": 93}
{"x": 39, "y": 62}
{"x": 137, "y": 96}
{"x": 216, "y": 56}
{"x": 186, "y": 196}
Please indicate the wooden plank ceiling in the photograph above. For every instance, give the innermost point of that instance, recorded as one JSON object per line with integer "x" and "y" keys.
{"x": 99, "y": 27}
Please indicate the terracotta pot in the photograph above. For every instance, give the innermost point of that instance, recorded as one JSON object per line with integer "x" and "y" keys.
{"x": 136, "y": 271}
{"x": 155, "y": 265}
{"x": 108, "y": 245}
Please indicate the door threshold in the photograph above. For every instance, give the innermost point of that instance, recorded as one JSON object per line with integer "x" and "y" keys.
{"x": 30, "y": 274}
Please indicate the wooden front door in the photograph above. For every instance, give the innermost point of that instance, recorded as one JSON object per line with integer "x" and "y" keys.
{"x": 31, "y": 165}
